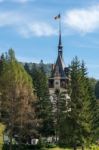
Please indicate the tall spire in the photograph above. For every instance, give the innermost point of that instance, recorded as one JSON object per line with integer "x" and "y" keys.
{"x": 60, "y": 47}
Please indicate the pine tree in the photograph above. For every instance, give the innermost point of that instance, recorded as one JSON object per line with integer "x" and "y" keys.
{"x": 80, "y": 101}
{"x": 94, "y": 109}
{"x": 97, "y": 90}
{"x": 60, "y": 109}
{"x": 43, "y": 106}
{"x": 85, "y": 114}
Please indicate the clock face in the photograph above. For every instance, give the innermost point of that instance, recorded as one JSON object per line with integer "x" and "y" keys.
{"x": 57, "y": 83}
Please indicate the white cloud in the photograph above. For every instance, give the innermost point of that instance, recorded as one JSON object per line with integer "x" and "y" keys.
{"x": 24, "y": 26}
{"x": 36, "y": 29}
{"x": 9, "y": 18}
{"x": 83, "y": 20}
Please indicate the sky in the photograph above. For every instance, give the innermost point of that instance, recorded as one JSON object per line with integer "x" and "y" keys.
{"x": 29, "y": 27}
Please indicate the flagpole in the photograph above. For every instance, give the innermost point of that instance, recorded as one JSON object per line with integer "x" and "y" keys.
{"x": 60, "y": 25}
{"x": 60, "y": 42}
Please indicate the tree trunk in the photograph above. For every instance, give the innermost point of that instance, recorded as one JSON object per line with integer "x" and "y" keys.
{"x": 21, "y": 127}
{"x": 56, "y": 134}
{"x": 11, "y": 139}
{"x": 20, "y": 142}
{"x": 3, "y": 138}
{"x": 75, "y": 147}
{"x": 57, "y": 117}
{"x": 82, "y": 147}
{"x": 12, "y": 122}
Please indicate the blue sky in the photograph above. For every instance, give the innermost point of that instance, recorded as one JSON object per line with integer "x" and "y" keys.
{"x": 28, "y": 26}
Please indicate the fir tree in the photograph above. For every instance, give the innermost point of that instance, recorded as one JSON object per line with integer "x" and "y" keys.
{"x": 80, "y": 101}
{"x": 97, "y": 90}
{"x": 43, "y": 106}
{"x": 94, "y": 109}
{"x": 60, "y": 110}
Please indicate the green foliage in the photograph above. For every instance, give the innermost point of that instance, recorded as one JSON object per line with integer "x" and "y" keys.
{"x": 61, "y": 108}
{"x": 2, "y": 128}
{"x": 23, "y": 147}
{"x": 27, "y": 110}
{"x": 94, "y": 147}
{"x": 47, "y": 67}
{"x": 50, "y": 145}
{"x": 17, "y": 96}
{"x": 76, "y": 125}
{"x": 92, "y": 82}
{"x": 43, "y": 103}
{"x": 41, "y": 144}
{"x": 94, "y": 108}
{"x": 97, "y": 90}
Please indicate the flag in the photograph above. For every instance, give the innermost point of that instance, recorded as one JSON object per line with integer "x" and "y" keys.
{"x": 57, "y": 17}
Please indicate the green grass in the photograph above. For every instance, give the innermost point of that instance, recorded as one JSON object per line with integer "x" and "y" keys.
{"x": 57, "y": 148}
{"x": 2, "y": 128}
{"x": 94, "y": 147}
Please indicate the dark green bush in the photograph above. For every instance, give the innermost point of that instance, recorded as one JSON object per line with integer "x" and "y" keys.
{"x": 23, "y": 147}
{"x": 50, "y": 145}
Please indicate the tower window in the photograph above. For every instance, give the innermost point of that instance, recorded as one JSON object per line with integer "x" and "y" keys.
{"x": 57, "y": 83}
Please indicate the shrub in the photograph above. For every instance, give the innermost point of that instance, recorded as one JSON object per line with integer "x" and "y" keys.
{"x": 50, "y": 145}
{"x": 23, "y": 147}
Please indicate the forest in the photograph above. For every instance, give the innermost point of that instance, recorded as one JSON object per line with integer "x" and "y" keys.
{"x": 26, "y": 111}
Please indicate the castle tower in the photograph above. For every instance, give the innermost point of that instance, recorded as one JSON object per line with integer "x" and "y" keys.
{"x": 60, "y": 73}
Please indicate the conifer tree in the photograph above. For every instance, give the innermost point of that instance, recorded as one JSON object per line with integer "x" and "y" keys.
{"x": 97, "y": 90}
{"x": 94, "y": 109}
{"x": 80, "y": 101}
{"x": 60, "y": 110}
{"x": 43, "y": 106}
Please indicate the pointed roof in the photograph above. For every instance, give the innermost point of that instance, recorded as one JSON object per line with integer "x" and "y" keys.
{"x": 61, "y": 66}
{"x": 60, "y": 41}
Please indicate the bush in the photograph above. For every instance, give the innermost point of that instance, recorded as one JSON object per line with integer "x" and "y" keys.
{"x": 50, "y": 145}
{"x": 23, "y": 147}
{"x": 41, "y": 144}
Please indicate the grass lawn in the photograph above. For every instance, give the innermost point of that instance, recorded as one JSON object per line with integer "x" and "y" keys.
{"x": 2, "y": 127}
{"x": 57, "y": 148}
